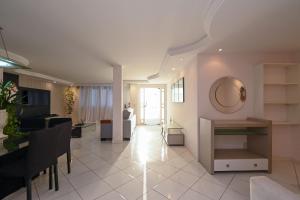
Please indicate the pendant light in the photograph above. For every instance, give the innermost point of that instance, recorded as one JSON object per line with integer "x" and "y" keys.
{"x": 6, "y": 62}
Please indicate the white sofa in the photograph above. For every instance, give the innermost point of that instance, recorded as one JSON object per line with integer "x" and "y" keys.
{"x": 263, "y": 188}
{"x": 129, "y": 123}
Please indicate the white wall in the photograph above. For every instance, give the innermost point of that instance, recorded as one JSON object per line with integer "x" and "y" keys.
{"x": 242, "y": 66}
{"x": 201, "y": 73}
{"x": 185, "y": 114}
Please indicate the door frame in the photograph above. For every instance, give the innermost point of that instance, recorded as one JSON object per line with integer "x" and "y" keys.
{"x": 138, "y": 107}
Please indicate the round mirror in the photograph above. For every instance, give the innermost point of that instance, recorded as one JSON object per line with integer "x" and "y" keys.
{"x": 227, "y": 94}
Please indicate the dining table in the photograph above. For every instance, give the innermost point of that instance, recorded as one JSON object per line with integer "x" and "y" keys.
{"x": 8, "y": 185}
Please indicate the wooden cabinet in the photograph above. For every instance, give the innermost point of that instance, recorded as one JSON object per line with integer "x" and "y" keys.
{"x": 254, "y": 155}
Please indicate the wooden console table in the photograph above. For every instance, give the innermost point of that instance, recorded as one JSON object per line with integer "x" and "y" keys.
{"x": 254, "y": 155}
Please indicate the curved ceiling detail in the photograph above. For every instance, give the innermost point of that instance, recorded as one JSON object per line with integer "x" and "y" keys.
{"x": 209, "y": 15}
{"x": 194, "y": 47}
{"x": 188, "y": 47}
{"x": 256, "y": 26}
{"x": 42, "y": 76}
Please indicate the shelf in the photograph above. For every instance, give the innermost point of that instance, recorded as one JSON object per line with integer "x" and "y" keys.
{"x": 285, "y": 123}
{"x": 237, "y": 132}
{"x": 281, "y": 84}
{"x": 221, "y": 154}
{"x": 281, "y": 102}
{"x": 240, "y": 123}
{"x": 280, "y": 64}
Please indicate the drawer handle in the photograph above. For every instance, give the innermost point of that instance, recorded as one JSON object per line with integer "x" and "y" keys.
{"x": 227, "y": 165}
{"x": 255, "y": 164}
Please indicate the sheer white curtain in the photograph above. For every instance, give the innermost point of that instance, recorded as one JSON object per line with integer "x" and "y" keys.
{"x": 95, "y": 103}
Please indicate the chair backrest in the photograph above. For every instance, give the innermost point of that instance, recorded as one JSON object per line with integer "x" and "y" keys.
{"x": 42, "y": 150}
{"x": 65, "y": 131}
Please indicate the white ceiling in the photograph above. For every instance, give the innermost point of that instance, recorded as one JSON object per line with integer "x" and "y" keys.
{"x": 79, "y": 41}
{"x": 257, "y": 26}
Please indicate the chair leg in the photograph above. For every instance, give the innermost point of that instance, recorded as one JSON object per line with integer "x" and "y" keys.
{"x": 69, "y": 161}
{"x": 56, "y": 177}
{"x": 50, "y": 178}
{"x": 28, "y": 188}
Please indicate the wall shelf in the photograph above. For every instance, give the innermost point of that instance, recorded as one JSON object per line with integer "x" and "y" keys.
{"x": 282, "y": 65}
{"x": 281, "y": 84}
{"x": 280, "y": 91}
{"x": 277, "y": 98}
{"x": 285, "y": 123}
{"x": 281, "y": 102}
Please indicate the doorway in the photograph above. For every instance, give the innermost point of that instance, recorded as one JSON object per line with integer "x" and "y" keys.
{"x": 152, "y": 106}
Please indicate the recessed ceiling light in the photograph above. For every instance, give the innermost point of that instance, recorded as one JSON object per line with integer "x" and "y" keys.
{"x": 173, "y": 68}
{"x": 220, "y": 50}
{"x": 181, "y": 59}
{"x": 54, "y": 81}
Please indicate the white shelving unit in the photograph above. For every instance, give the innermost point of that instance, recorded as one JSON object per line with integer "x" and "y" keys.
{"x": 280, "y": 93}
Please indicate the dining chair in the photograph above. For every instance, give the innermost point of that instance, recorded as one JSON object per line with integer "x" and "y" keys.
{"x": 64, "y": 145}
{"x": 41, "y": 154}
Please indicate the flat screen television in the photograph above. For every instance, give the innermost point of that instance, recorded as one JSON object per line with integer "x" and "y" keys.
{"x": 33, "y": 102}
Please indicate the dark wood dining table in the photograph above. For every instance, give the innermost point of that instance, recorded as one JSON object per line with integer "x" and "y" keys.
{"x": 10, "y": 185}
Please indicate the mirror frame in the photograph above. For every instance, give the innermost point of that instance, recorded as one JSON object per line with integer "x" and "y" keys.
{"x": 218, "y": 106}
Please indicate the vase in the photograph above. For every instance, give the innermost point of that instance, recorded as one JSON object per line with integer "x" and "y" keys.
{"x": 3, "y": 121}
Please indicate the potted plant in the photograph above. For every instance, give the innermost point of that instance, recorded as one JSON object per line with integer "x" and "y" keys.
{"x": 69, "y": 100}
{"x": 8, "y": 120}
{"x": 8, "y": 94}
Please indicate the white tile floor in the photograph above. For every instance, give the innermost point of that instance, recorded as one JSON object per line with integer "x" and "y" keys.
{"x": 146, "y": 169}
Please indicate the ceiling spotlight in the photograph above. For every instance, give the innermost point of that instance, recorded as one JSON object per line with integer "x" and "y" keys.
{"x": 54, "y": 81}
{"x": 173, "y": 68}
{"x": 220, "y": 50}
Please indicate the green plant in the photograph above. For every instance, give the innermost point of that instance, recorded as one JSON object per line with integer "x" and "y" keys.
{"x": 8, "y": 101}
{"x": 8, "y": 94}
{"x": 69, "y": 100}
{"x": 12, "y": 126}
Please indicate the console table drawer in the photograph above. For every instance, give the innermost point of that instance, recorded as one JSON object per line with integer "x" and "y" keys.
{"x": 241, "y": 164}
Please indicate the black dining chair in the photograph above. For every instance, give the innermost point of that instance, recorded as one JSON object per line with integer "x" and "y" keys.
{"x": 64, "y": 145}
{"x": 41, "y": 154}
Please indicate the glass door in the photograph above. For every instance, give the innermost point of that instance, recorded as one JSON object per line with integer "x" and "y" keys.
{"x": 151, "y": 106}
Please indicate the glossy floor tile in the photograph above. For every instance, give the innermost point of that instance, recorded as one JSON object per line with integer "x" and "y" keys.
{"x": 145, "y": 168}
